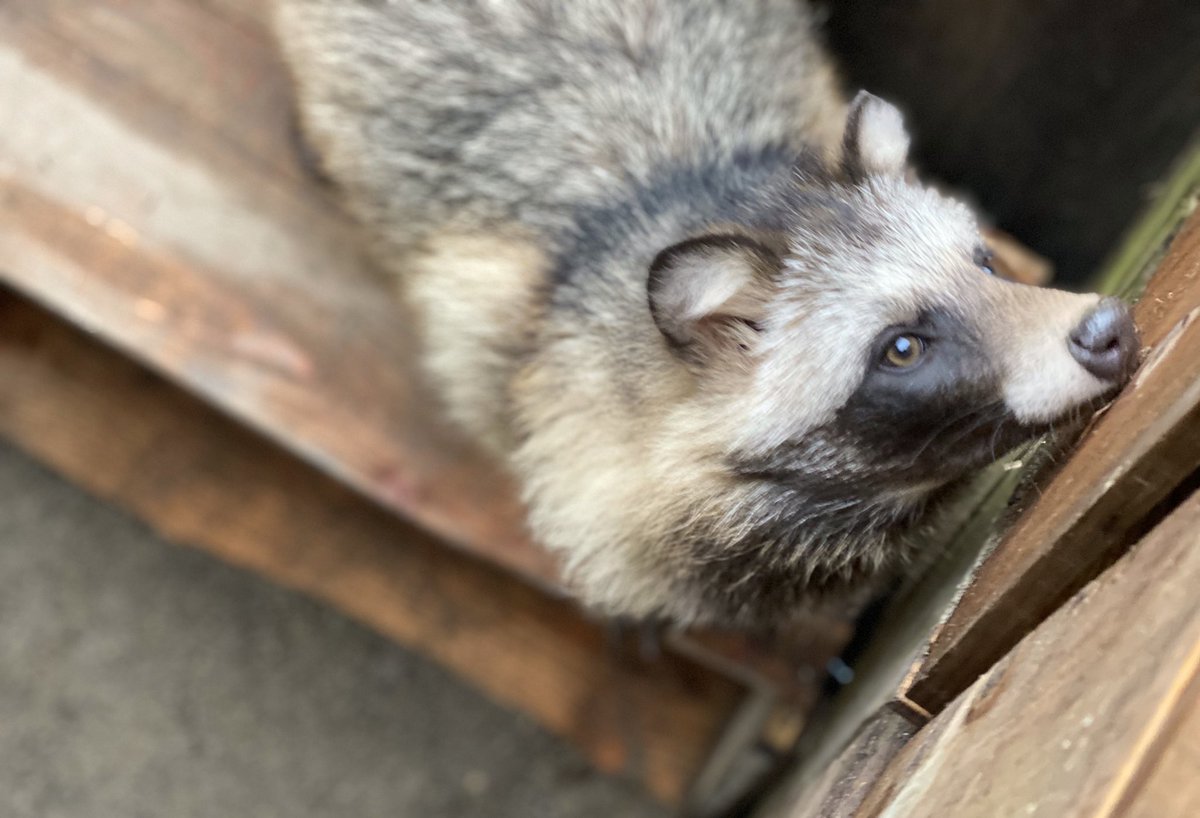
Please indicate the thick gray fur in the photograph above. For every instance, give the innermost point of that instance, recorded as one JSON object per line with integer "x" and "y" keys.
{"x": 652, "y": 258}
{"x": 480, "y": 114}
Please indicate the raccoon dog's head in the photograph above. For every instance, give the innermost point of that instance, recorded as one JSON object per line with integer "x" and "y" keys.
{"x": 857, "y": 341}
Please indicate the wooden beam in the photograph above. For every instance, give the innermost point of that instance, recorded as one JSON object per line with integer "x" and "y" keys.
{"x": 149, "y": 193}
{"x": 1073, "y": 723}
{"x": 839, "y": 789}
{"x": 200, "y": 479}
{"x": 1164, "y": 786}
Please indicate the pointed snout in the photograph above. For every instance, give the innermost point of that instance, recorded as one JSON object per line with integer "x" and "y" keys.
{"x": 1105, "y": 342}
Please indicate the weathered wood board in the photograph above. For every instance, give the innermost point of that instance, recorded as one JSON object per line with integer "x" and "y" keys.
{"x": 1165, "y": 784}
{"x": 1082, "y": 719}
{"x": 839, "y": 790}
{"x": 200, "y": 479}
{"x": 149, "y": 193}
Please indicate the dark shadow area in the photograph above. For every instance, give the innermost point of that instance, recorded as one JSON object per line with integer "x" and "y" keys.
{"x": 1058, "y": 117}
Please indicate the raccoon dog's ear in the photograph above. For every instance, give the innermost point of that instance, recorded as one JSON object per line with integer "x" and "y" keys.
{"x": 875, "y": 141}
{"x": 708, "y": 295}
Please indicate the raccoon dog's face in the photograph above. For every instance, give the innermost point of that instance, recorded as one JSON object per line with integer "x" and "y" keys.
{"x": 867, "y": 347}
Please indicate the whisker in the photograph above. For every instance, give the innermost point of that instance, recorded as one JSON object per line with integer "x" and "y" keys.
{"x": 1004, "y": 419}
{"x": 937, "y": 433}
{"x": 989, "y": 414}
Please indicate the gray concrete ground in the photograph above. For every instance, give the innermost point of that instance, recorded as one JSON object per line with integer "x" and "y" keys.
{"x": 140, "y": 679}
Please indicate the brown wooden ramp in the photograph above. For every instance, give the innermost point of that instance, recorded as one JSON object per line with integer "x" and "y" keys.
{"x": 151, "y": 195}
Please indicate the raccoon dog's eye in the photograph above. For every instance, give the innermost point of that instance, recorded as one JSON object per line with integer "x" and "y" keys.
{"x": 904, "y": 351}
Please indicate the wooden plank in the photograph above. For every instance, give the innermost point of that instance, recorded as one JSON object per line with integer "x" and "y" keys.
{"x": 902, "y": 628}
{"x": 148, "y": 193}
{"x": 1172, "y": 296}
{"x": 839, "y": 789}
{"x": 1166, "y": 786}
{"x": 201, "y": 479}
{"x": 1133, "y": 456}
{"x": 147, "y": 59}
{"x": 1071, "y": 721}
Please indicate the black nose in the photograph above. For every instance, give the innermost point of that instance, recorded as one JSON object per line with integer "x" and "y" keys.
{"x": 1106, "y": 343}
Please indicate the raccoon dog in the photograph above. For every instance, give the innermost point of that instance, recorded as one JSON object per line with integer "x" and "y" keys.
{"x": 693, "y": 298}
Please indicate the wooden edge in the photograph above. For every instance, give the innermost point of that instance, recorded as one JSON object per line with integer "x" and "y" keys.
{"x": 1157, "y": 734}
{"x": 839, "y": 788}
{"x": 784, "y": 674}
{"x": 1075, "y": 721}
{"x": 1133, "y": 456}
{"x": 200, "y": 479}
{"x": 1016, "y": 262}
{"x": 151, "y": 195}
{"x": 1163, "y": 784}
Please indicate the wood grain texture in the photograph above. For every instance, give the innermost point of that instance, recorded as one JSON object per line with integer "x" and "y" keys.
{"x": 1172, "y": 295}
{"x": 200, "y": 479}
{"x": 840, "y": 788}
{"x": 1165, "y": 786}
{"x": 148, "y": 193}
{"x": 902, "y": 629}
{"x": 1134, "y": 455}
{"x": 1074, "y": 719}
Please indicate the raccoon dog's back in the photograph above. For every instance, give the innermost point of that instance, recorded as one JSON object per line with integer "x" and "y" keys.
{"x": 473, "y": 113}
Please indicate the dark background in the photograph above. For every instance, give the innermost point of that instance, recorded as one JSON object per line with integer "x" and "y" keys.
{"x": 1056, "y": 116}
